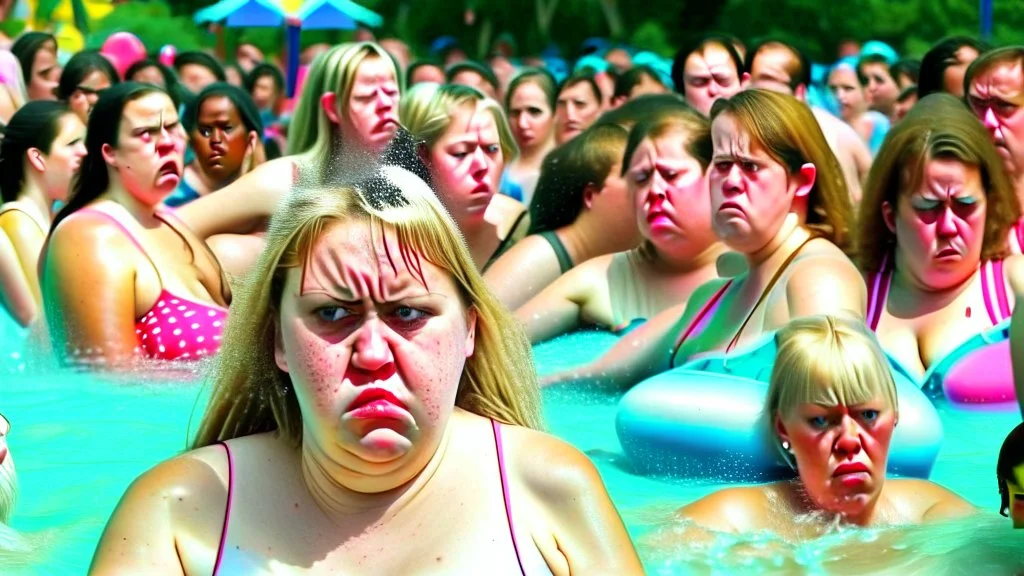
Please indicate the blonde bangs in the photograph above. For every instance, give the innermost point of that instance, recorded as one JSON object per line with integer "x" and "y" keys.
{"x": 828, "y": 361}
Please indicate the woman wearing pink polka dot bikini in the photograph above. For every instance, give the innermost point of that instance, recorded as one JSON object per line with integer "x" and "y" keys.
{"x": 121, "y": 276}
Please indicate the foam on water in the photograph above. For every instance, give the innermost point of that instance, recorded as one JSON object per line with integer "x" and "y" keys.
{"x": 79, "y": 440}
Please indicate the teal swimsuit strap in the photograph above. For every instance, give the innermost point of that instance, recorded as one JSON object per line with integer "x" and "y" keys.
{"x": 564, "y": 260}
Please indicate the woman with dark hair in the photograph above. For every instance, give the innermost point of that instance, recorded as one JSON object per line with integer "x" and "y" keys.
{"x": 943, "y": 67}
{"x": 42, "y": 149}
{"x": 37, "y": 53}
{"x": 226, "y": 135}
{"x": 84, "y": 77}
{"x": 1010, "y": 474}
{"x": 582, "y": 210}
{"x": 157, "y": 74}
{"x": 121, "y": 277}
{"x": 578, "y": 105}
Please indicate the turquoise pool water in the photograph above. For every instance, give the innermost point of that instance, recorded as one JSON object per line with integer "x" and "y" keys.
{"x": 79, "y": 440}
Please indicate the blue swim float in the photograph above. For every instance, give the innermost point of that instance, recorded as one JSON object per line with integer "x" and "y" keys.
{"x": 705, "y": 419}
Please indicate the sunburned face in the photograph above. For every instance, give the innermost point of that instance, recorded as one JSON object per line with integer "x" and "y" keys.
{"x": 997, "y": 98}
{"x": 371, "y": 113}
{"x": 466, "y": 163}
{"x": 374, "y": 350}
{"x": 940, "y": 227}
{"x": 670, "y": 191}
{"x": 150, "y": 148}
{"x": 751, "y": 193}
{"x": 709, "y": 76}
{"x": 841, "y": 452}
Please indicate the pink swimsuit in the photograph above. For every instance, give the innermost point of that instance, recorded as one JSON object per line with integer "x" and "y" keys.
{"x": 175, "y": 328}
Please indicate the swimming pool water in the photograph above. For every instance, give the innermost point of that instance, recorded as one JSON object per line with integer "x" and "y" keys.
{"x": 78, "y": 440}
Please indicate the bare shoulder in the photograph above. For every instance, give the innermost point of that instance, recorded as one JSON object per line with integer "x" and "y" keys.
{"x": 927, "y": 501}
{"x": 549, "y": 467}
{"x": 1013, "y": 270}
{"x": 734, "y": 509}
{"x": 90, "y": 234}
{"x": 825, "y": 281}
{"x": 504, "y": 213}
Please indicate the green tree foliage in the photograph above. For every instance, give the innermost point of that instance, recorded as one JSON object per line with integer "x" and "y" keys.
{"x": 818, "y": 26}
{"x": 154, "y": 23}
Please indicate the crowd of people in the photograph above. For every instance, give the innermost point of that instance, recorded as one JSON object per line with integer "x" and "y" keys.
{"x": 366, "y": 265}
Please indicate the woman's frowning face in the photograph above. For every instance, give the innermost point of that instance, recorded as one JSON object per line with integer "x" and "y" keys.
{"x": 841, "y": 452}
{"x": 375, "y": 350}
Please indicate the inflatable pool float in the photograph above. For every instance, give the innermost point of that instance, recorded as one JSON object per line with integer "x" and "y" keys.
{"x": 976, "y": 373}
{"x": 705, "y": 419}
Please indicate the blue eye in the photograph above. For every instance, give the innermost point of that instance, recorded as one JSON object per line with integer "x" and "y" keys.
{"x": 818, "y": 422}
{"x": 869, "y": 415}
{"x": 407, "y": 314}
{"x": 332, "y": 313}
{"x": 493, "y": 149}
{"x": 641, "y": 177}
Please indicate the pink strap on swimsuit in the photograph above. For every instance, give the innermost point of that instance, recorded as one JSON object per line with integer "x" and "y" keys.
{"x": 175, "y": 328}
{"x": 993, "y": 290}
{"x": 495, "y": 427}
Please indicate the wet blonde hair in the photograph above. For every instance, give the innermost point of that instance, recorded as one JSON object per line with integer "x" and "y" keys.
{"x": 826, "y": 360}
{"x": 939, "y": 126}
{"x": 311, "y": 132}
{"x": 252, "y": 395}
{"x": 8, "y": 489}
{"x": 427, "y": 110}
{"x": 788, "y": 132}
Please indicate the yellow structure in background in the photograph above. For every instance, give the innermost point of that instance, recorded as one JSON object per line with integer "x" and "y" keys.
{"x": 62, "y": 21}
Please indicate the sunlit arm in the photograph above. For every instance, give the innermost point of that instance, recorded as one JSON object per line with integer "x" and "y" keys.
{"x": 88, "y": 283}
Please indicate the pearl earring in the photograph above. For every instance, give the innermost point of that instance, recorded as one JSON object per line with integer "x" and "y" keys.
{"x": 785, "y": 445}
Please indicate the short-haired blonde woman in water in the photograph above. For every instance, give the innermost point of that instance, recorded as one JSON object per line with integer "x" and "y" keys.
{"x": 467, "y": 142}
{"x": 371, "y": 413}
{"x": 831, "y": 411}
{"x": 778, "y": 197}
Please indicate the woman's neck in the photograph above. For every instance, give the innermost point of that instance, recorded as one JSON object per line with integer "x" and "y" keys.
{"x": 670, "y": 261}
{"x": 32, "y": 194}
{"x": 789, "y": 239}
{"x": 912, "y": 289}
{"x": 531, "y": 158}
{"x": 145, "y": 214}
{"x": 341, "y": 492}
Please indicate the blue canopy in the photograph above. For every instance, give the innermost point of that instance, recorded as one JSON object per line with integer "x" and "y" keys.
{"x": 238, "y": 13}
{"x": 313, "y": 14}
{"x": 337, "y": 15}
